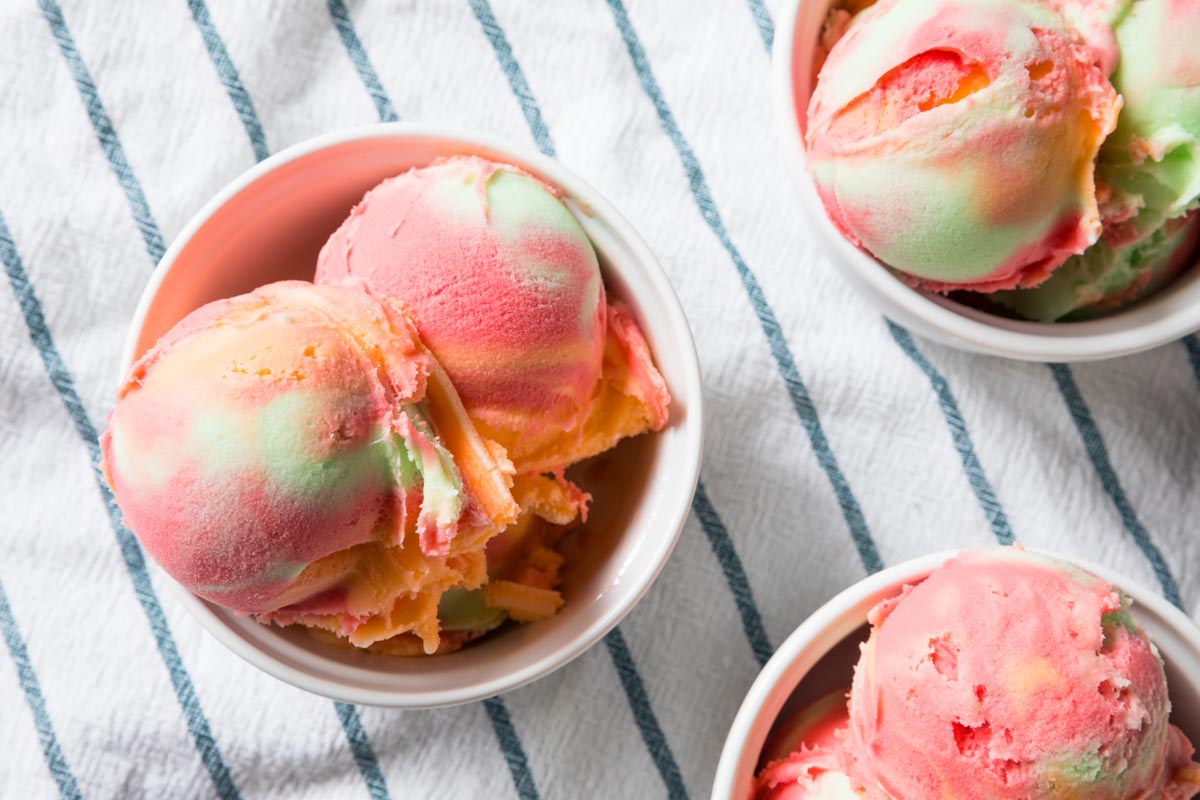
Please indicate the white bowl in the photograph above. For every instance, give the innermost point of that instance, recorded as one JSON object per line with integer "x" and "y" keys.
{"x": 819, "y": 657}
{"x": 269, "y": 225}
{"x": 1165, "y": 317}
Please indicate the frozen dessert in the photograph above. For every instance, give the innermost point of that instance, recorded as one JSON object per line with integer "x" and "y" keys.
{"x": 1148, "y": 172}
{"x": 955, "y": 140}
{"x": 1109, "y": 276}
{"x": 1031, "y": 679}
{"x": 806, "y": 762}
{"x": 1004, "y": 674}
{"x": 506, "y": 290}
{"x": 1151, "y": 162}
{"x": 1047, "y": 151}
{"x": 296, "y": 453}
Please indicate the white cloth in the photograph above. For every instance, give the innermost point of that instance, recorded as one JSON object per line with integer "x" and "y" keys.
{"x": 108, "y": 707}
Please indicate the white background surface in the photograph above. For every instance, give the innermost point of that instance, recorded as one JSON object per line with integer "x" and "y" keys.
{"x": 117, "y": 720}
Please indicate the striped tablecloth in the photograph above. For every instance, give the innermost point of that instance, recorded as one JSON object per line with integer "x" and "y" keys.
{"x": 837, "y": 443}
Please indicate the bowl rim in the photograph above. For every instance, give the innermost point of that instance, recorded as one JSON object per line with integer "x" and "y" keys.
{"x": 957, "y": 324}
{"x": 691, "y": 427}
{"x": 732, "y": 766}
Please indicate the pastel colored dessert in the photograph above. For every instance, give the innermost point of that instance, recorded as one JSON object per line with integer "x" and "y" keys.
{"x": 506, "y": 289}
{"x": 1148, "y": 171}
{"x": 1004, "y": 675}
{"x": 955, "y": 140}
{"x": 297, "y": 454}
{"x": 507, "y": 293}
{"x": 1047, "y": 151}
{"x": 1108, "y": 276}
{"x": 1152, "y": 160}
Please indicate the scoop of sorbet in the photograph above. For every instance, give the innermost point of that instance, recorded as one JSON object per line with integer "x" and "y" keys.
{"x": 955, "y": 140}
{"x": 507, "y": 292}
{"x": 1009, "y": 675}
{"x": 1151, "y": 163}
{"x": 295, "y": 453}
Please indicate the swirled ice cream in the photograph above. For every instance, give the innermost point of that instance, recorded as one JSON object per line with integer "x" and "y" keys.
{"x": 1003, "y": 675}
{"x": 1047, "y": 151}
{"x": 296, "y": 453}
{"x": 955, "y": 140}
{"x": 506, "y": 289}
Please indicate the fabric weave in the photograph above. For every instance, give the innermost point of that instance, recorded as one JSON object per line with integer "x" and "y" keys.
{"x": 836, "y": 442}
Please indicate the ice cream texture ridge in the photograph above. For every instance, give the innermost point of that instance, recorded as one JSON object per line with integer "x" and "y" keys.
{"x": 507, "y": 292}
{"x": 1036, "y": 149}
{"x": 1003, "y": 675}
{"x": 380, "y": 455}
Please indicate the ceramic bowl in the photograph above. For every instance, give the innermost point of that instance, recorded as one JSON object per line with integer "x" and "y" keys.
{"x": 1164, "y": 317}
{"x": 819, "y": 658}
{"x": 269, "y": 225}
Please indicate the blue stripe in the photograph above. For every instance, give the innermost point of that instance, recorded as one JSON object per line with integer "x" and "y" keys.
{"x": 762, "y": 18}
{"x": 735, "y": 575}
{"x": 358, "y": 56}
{"x": 230, "y": 78}
{"x": 131, "y": 553}
{"x": 643, "y": 714}
{"x": 105, "y": 131}
{"x": 1193, "y": 351}
{"x": 364, "y": 754}
{"x": 510, "y": 745}
{"x": 805, "y": 410}
{"x": 639, "y": 702}
{"x": 1093, "y": 442}
{"x": 55, "y": 760}
{"x": 516, "y": 76}
{"x": 958, "y": 432}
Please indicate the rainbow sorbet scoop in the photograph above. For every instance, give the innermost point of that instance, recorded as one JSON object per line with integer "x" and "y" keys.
{"x": 506, "y": 290}
{"x": 1004, "y": 675}
{"x": 1148, "y": 171}
{"x": 507, "y": 293}
{"x": 296, "y": 454}
{"x": 955, "y": 140}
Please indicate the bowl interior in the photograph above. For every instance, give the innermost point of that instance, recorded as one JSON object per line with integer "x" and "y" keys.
{"x": 823, "y": 662}
{"x": 1169, "y": 314}
{"x": 270, "y": 226}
